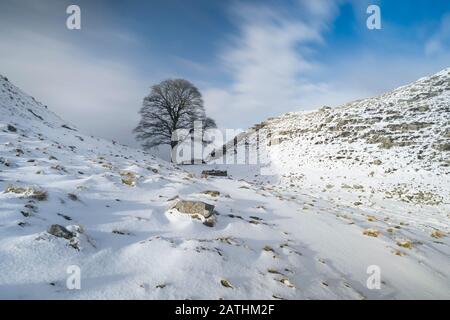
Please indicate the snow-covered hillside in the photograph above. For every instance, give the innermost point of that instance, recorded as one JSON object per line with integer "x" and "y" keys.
{"x": 396, "y": 146}
{"x": 110, "y": 208}
{"x": 392, "y": 147}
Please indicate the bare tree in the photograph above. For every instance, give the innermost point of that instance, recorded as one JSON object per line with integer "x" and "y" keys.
{"x": 171, "y": 105}
{"x": 209, "y": 123}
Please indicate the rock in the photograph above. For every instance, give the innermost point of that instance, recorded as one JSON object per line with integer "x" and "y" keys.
{"x": 421, "y": 109}
{"x": 39, "y": 195}
{"x": 32, "y": 193}
{"x": 60, "y": 232}
{"x": 11, "y": 128}
{"x": 17, "y": 190}
{"x": 398, "y": 253}
{"x": 5, "y": 162}
{"x": 64, "y": 216}
{"x": 73, "y": 196}
{"x": 377, "y": 162}
{"x": 386, "y": 143}
{"x": 275, "y": 141}
{"x": 129, "y": 178}
{"x": 442, "y": 146}
{"x": 371, "y": 233}
{"x": 405, "y": 127}
{"x": 211, "y": 193}
{"x": 197, "y": 210}
{"x": 26, "y": 214}
{"x": 210, "y": 222}
{"x": 273, "y": 271}
{"x": 446, "y": 134}
{"x": 226, "y": 283}
{"x": 154, "y": 170}
{"x": 65, "y": 126}
{"x": 287, "y": 283}
{"x": 437, "y": 234}
{"x": 173, "y": 198}
{"x": 194, "y": 207}
{"x": 404, "y": 243}
{"x": 214, "y": 173}
{"x": 122, "y": 233}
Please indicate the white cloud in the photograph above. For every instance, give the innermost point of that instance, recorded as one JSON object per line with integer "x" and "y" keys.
{"x": 269, "y": 75}
{"x": 100, "y": 97}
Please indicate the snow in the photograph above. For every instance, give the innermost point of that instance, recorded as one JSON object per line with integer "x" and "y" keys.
{"x": 271, "y": 240}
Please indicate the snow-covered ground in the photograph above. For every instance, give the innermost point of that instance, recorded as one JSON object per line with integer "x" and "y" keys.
{"x": 272, "y": 239}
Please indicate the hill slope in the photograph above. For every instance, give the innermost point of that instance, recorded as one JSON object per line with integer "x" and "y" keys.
{"x": 113, "y": 203}
{"x": 395, "y": 146}
{"x": 400, "y": 141}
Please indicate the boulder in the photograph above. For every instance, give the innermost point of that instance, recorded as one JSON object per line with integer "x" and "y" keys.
{"x": 194, "y": 208}
{"x": 197, "y": 210}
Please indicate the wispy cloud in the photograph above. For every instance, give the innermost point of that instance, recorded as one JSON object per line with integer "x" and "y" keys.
{"x": 440, "y": 41}
{"x": 268, "y": 71}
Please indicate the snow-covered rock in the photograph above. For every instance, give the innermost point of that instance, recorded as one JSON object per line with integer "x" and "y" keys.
{"x": 197, "y": 210}
{"x": 60, "y": 231}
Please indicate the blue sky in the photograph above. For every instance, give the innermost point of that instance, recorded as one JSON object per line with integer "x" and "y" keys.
{"x": 251, "y": 59}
